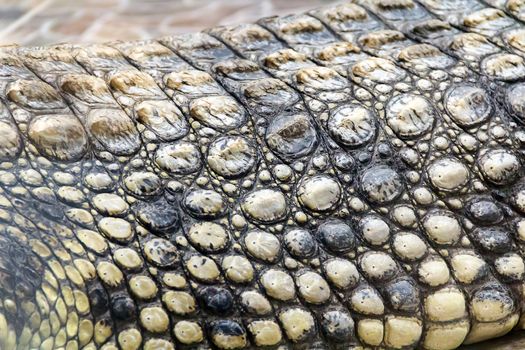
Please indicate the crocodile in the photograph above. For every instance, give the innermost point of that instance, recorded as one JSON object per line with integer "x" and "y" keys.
{"x": 347, "y": 178}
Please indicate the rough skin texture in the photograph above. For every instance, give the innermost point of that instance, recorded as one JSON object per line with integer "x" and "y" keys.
{"x": 343, "y": 179}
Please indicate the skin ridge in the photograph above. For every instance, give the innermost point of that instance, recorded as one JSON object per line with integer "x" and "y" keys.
{"x": 347, "y": 178}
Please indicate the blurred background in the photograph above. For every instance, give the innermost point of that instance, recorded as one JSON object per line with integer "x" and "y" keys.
{"x": 38, "y": 22}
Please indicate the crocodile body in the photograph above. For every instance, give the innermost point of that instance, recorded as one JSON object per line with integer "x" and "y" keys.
{"x": 347, "y": 178}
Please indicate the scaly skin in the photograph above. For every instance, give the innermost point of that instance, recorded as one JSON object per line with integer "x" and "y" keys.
{"x": 347, "y": 178}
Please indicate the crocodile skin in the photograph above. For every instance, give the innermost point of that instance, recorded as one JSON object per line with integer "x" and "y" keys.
{"x": 347, "y": 178}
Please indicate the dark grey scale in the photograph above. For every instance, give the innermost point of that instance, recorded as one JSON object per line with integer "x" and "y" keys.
{"x": 161, "y": 216}
{"x": 344, "y": 162}
{"x": 216, "y": 300}
{"x": 338, "y": 325}
{"x": 403, "y": 295}
{"x": 336, "y": 236}
{"x": 492, "y": 239}
{"x": 300, "y": 243}
{"x": 484, "y": 211}
{"x": 123, "y": 307}
{"x": 514, "y": 197}
{"x": 99, "y": 300}
{"x": 380, "y": 184}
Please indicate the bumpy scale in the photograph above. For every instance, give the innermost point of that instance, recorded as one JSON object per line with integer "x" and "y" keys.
{"x": 347, "y": 178}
